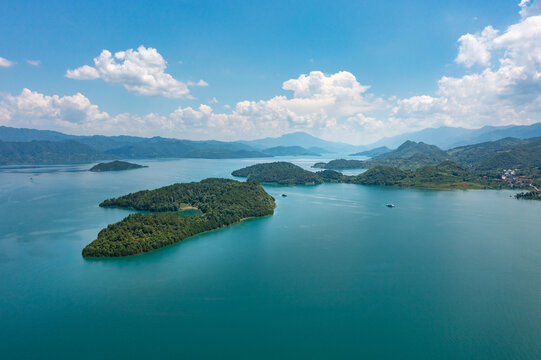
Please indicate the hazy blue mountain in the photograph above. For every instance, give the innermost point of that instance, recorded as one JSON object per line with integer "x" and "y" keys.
{"x": 15, "y": 134}
{"x": 109, "y": 147}
{"x": 373, "y": 152}
{"x": 450, "y": 137}
{"x": 48, "y": 152}
{"x": 172, "y": 148}
{"x": 289, "y": 151}
{"x": 300, "y": 139}
{"x": 410, "y": 148}
{"x": 409, "y": 155}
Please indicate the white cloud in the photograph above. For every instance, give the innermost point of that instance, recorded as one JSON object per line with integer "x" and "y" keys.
{"x": 84, "y": 72}
{"x": 475, "y": 49}
{"x": 213, "y": 101}
{"x": 505, "y": 89}
{"x": 529, "y": 8}
{"x": 140, "y": 71}
{"x": 329, "y": 105}
{"x": 33, "y": 62}
{"x": 34, "y": 110}
{"x": 5, "y": 62}
{"x": 508, "y": 93}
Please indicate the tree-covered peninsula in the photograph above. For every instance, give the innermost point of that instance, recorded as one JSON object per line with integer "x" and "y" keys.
{"x": 222, "y": 202}
{"x": 115, "y": 166}
{"x": 446, "y": 175}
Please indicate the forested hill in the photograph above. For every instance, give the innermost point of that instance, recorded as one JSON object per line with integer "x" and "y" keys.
{"x": 493, "y": 156}
{"x": 446, "y": 175}
{"x": 286, "y": 173}
{"x": 222, "y": 202}
{"x": 411, "y": 148}
{"x": 409, "y": 155}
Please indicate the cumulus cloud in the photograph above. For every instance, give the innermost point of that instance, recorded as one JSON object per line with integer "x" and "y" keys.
{"x": 529, "y": 8}
{"x": 504, "y": 88}
{"x": 5, "y": 62}
{"x": 140, "y": 71}
{"x": 475, "y": 48}
{"x": 508, "y": 93}
{"x": 84, "y": 72}
{"x": 35, "y": 110}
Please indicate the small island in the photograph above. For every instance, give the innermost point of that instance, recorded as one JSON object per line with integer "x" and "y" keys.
{"x": 221, "y": 202}
{"x": 115, "y": 166}
{"x": 530, "y": 195}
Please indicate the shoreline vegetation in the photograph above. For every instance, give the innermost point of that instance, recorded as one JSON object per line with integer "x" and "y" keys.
{"x": 529, "y": 195}
{"x": 222, "y": 203}
{"x": 446, "y": 175}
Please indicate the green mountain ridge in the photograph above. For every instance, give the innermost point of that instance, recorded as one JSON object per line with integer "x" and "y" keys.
{"x": 446, "y": 175}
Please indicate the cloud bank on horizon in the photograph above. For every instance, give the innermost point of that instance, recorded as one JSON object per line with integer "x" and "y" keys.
{"x": 502, "y": 86}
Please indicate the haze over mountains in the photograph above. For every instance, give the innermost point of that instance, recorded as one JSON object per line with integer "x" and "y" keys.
{"x": 30, "y": 146}
{"x": 449, "y": 137}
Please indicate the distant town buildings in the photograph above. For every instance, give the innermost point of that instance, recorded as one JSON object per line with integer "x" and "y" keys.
{"x": 515, "y": 181}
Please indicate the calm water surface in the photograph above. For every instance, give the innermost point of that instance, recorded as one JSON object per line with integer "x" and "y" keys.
{"x": 333, "y": 274}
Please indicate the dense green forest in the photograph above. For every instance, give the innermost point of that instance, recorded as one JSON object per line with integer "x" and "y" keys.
{"x": 340, "y": 164}
{"x": 485, "y": 159}
{"x": 278, "y": 172}
{"x": 446, "y": 175}
{"x": 115, "y": 166}
{"x": 222, "y": 202}
{"x": 286, "y": 173}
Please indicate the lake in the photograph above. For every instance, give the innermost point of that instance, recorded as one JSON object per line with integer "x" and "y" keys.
{"x": 333, "y": 274}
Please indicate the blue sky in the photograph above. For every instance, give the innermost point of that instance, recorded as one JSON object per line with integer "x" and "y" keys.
{"x": 245, "y": 51}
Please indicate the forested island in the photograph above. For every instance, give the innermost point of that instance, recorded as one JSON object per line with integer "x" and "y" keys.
{"x": 222, "y": 202}
{"x": 446, "y": 175}
{"x": 115, "y": 166}
{"x": 286, "y": 173}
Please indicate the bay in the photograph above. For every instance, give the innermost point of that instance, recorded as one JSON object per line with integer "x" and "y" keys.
{"x": 332, "y": 274}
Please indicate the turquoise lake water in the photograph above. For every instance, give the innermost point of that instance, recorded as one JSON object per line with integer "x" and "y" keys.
{"x": 333, "y": 274}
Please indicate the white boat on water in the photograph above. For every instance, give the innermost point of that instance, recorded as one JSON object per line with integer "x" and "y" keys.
{"x": 390, "y": 205}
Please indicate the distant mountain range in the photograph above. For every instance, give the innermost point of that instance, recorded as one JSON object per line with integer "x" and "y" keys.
{"x": 307, "y": 141}
{"x": 449, "y": 137}
{"x": 30, "y": 146}
{"x": 373, "y": 152}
